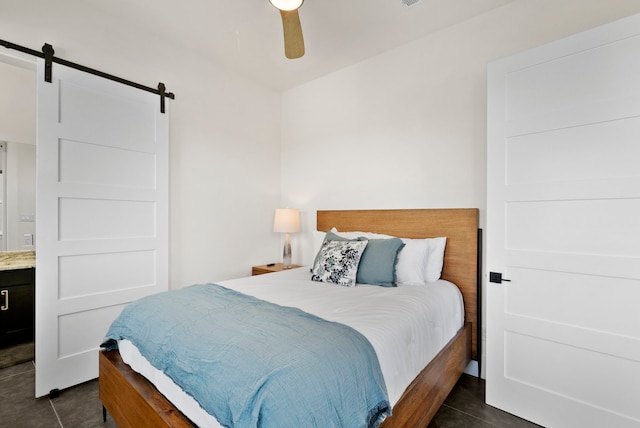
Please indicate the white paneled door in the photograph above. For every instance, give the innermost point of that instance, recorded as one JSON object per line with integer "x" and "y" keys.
{"x": 101, "y": 215}
{"x": 563, "y": 226}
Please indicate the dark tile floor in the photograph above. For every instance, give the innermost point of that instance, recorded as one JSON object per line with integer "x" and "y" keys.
{"x": 79, "y": 407}
{"x": 465, "y": 407}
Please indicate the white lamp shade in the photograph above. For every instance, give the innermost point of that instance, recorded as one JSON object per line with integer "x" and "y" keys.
{"x": 287, "y": 220}
{"x": 287, "y": 4}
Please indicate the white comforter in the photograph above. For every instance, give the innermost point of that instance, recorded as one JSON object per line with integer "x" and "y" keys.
{"x": 407, "y": 326}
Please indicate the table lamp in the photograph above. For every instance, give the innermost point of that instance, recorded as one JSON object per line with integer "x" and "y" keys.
{"x": 287, "y": 220}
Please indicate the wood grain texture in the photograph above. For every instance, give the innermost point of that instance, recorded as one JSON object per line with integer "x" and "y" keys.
{"x": 293, "y": 38}
{"x": 424, "y": 396}
{"x": 134, "y": 402}
{"x": 262, "y": 269}
{"x": 131, "y": 399}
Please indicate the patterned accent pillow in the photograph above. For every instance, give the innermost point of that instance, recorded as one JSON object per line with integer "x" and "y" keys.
{"x": 338, "y": 262}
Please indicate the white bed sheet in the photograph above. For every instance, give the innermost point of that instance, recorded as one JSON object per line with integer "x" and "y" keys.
{"x": 407, "y": 326}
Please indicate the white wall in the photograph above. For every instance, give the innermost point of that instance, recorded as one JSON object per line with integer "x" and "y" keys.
{"x": 225, "y": 134}
{"x": 17, "y": 104}
{"x": 407, "y": 129}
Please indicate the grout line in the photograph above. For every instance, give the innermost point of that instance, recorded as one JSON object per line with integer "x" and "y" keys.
{"x": 9, "y": 376}
{"x": 472, "y": 416}
{"x": 55, "y": 413}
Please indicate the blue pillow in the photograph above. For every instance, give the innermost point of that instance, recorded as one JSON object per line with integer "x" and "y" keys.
{"x": 378, "y": 261}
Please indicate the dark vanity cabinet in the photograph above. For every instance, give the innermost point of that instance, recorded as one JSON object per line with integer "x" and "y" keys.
{"x": 16, "y": 306}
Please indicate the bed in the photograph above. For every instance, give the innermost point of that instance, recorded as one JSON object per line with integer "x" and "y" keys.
{"x": 133, "y": 401}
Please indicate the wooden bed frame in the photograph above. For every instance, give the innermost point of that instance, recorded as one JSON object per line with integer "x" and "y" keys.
{"x": 133, "y": 401}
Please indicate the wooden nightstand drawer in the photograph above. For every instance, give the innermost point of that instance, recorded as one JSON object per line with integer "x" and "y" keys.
{"x": 277, "y": 267}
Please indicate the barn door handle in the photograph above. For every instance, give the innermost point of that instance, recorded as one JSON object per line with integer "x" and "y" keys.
{"x": 497, "y": 278}
{"x": 5, "y": 294}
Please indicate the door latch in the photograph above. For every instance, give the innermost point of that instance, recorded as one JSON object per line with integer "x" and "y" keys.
{"x": 497, "y": 278}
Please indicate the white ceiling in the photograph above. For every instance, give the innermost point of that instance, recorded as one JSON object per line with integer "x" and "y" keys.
{"x": 246, "y": 35}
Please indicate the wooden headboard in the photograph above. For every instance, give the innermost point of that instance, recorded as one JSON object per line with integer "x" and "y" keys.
{"x": 460, "y": 226}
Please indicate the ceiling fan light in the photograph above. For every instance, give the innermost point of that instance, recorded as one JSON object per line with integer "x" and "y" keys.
{"x": 287, "y": 5}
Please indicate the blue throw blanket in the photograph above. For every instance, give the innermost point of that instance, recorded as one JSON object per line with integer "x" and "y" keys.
{"x": 251, "y": 363}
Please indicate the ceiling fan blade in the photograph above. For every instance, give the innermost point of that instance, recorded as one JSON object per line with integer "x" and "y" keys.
{"x": 293, "y": 40}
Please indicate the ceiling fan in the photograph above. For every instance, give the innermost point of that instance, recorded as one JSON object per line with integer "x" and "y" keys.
{"x": 293, "y": 40}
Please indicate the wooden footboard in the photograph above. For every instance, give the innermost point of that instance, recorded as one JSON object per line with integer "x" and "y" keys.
{"x": 424, "y": 396}
{"x": 133, "y": 401}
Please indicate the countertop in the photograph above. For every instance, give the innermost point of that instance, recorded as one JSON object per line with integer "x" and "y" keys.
{"x": 10, "y": 260}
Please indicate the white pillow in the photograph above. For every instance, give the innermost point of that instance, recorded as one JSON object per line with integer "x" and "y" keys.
{"x": 435, "y": 259}
{"x": 318, "y": 239}
{"x": 419, "y": 262}
{"x": 412, "y": 262}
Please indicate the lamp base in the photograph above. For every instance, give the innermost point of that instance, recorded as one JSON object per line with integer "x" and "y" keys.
{"x": 286, "y": 252}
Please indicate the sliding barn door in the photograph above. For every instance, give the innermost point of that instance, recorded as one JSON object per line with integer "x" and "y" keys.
{"x": 563, "y": 225}
{"x": 101, "y": 216}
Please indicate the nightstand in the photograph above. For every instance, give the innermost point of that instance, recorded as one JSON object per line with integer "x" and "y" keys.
{"x": 259, "y": 270}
